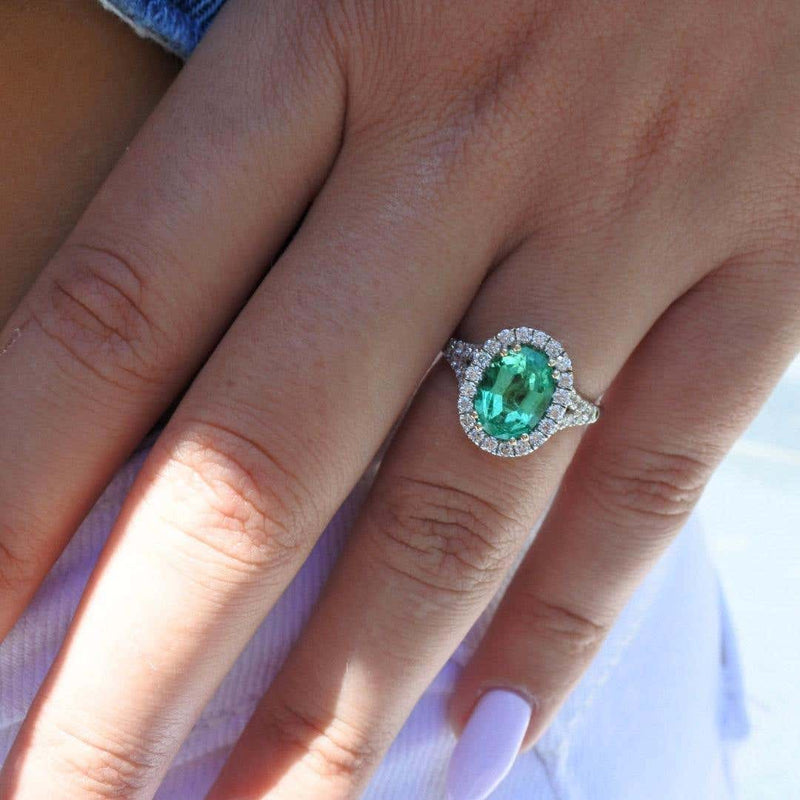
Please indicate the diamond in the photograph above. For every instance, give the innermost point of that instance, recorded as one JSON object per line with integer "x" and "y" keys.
{"x": 465, "y": 405}
{"x": 481, "y": 360}
{"x": 537, "y": 439}
{"x": 523, "y": 447}
{"x": 524, "y": 334}
{"x": 488, "y": 444}
{"x": 553, "y": 348}
{"x": 547, "y": 426}
{"x": 506, "y": 336}
{"x": 561, "y": 396}
{"x": 467, "y": 420}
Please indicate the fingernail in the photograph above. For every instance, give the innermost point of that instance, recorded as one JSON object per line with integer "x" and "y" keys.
{"x": 488, "y": 745}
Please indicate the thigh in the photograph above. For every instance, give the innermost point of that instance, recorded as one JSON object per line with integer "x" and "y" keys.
{"x": 75, "y": 85}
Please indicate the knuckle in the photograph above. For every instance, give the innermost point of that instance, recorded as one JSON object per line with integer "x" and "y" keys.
{"x": 446, "y": 538}
{"x": 99, "y": 309}
{"x": 253, "y": 508}
{"x": 771, "y": 266}
{"x": 101, "y": 766}
{"x": 761, "y": 287}
{"x": 326, "y": 32}
{"x": 13, "y": 574}
{"x": 648, "y": 489}
{"x": 330, "y": 747}
{"x": 504, "y": 99}
{"x": 311, "y": 50}
{"x": 654, "y": 132}
{"x": 459, "y": 113}
{"x": 14, "y": 570}
{"x": 572, "y": 632}
{"x": 20, "y": 548}
{"x": 772, "y": 220}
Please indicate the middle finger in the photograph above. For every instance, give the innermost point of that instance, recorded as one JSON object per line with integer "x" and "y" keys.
{"x": 268, "y": 441}
{"x": 437, "y": 535}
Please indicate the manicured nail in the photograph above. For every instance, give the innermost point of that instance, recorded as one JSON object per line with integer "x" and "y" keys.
{"x": 488, "y": 745}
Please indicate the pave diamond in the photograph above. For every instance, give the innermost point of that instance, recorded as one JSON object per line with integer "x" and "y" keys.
{"x": 505, "y": 336}
{"x": 482, "y": 360}
{"x": 537, "y": 439}
{"x": 561, "y": 396}
{"x": 563, "y": 362}
{"x": 523, "y": 447}
{"x": 547, "y": 427}
{"x": 489, "y": 444}
{"x": 553, "y": 348}
{"x": 476, "y": 435}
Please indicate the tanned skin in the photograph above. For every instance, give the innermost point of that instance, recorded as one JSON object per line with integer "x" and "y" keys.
{"x": 75, "y": 85}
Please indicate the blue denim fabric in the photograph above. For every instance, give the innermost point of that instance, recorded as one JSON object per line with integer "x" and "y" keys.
{"x": 177, "y": 25}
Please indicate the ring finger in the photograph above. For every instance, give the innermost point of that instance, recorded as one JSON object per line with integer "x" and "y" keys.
{"x": 438, "y": 533}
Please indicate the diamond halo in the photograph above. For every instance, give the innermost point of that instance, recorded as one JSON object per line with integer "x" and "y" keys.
{"x": 566, "y": 408}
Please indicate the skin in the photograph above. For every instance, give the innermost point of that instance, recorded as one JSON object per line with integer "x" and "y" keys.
{"x": 69, "y": 73}
{"x": 621, "y": 175}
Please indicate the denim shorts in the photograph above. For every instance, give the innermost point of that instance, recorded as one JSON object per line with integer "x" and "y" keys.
{"x": 177, "y": 25}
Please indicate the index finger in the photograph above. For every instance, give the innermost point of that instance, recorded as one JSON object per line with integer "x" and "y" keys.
{"x": 144, "y": 286}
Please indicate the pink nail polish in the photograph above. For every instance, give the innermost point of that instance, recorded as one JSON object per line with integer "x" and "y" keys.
{"x": 488, "y": 745}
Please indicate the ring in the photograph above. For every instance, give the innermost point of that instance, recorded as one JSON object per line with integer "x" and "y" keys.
{"x": 515, "y": 391}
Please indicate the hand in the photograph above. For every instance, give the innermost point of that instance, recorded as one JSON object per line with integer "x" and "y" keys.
{"x": 623, "y": 176}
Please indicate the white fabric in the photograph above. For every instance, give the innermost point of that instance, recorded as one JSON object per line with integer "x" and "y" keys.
{"x": 649, "y": 721}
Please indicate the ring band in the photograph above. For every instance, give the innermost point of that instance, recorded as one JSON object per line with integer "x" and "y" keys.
{"x": 516, "y": 390}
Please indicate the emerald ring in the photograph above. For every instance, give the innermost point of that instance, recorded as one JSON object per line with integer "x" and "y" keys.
{"x": 515, "y": 391}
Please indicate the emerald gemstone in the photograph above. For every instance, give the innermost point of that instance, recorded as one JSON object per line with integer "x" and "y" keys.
{"x": 514, "y": 393}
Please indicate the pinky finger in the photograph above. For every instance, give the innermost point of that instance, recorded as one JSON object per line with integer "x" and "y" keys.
{"x": 672, "y": 414}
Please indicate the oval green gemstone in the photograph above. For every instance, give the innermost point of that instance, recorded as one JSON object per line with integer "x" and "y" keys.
{"x": 514, "y": 393}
